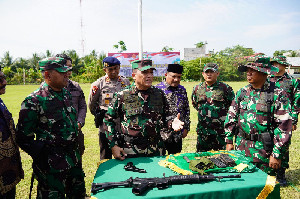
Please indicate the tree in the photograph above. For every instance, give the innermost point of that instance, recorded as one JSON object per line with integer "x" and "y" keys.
{"x": 228, "y": 61}
{"x": 193, "y": 68}
{"x": 77, "y": 63}
{"x": 167, "y": 49}
{"x": 48, "y": 53}
{"x": 279, "y": 52}
{"x": 236, "y": 51}
{"x": 121, "y": 47}
{"x": 288, "y": 53}
{"x": 34, "y": 61}
{"x": 200, "y": 44}
{"x": 8, "y": 73}
{"x": 293, "y": 53}
{"x": 7, "y": 60}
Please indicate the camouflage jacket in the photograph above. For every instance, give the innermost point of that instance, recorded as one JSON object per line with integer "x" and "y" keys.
{"x": 10, "y": 160}
{"x": 212, "y": 103}
{"x": 102, "y": 92}
{"x": 250, "y": 115}
{"x": 142, "y": 114}
{"x": 48, "y": 127}
{"x": 78, "y": 101}
{"x": 178, "y": 103}
{"x": 292, "y": 87}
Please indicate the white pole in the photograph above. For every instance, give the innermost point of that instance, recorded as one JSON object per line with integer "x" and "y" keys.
{"x": 81, "y": 28}
{"x": 24, "y": 75}
{"x": 140, "y": 29}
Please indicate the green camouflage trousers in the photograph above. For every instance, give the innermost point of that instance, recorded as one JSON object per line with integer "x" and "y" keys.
{"x": 66, "y": 184}
{"x": 210, "y": 142}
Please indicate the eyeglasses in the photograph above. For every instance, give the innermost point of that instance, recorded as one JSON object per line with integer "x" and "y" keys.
{"x": 2, "y": 78}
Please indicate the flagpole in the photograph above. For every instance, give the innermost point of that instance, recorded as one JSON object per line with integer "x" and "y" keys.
{"x": 140, "y": 29}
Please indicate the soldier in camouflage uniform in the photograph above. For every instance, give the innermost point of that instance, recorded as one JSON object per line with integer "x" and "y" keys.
{"x": 143, "y": 112}
{"x": 211, "y": 99}
{"x": 48, "y": 131}
{"x": 178, "y": 103}
{"x": 260, "y": 116}
{"x": 78, "y": 102}
{"x": 10, "y": 160}
{"x": 101, "y": 94}
{"x": 291, "y": 86}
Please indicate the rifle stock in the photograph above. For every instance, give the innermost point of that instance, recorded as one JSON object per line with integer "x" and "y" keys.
{"x": 141, "y": 185}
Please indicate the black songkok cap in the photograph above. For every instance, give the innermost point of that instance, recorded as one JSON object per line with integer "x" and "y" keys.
{"x": 175, "y": 68}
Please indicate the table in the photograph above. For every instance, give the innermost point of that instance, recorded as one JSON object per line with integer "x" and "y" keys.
{"x": 248, "y": 186}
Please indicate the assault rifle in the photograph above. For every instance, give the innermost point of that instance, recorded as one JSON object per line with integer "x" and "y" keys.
{"x": 140, "y": 185}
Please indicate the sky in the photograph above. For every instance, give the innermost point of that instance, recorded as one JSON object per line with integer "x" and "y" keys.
{"x": 34, "y": 26}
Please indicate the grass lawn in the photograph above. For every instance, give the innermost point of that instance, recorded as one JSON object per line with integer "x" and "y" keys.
{"x": 15, "y": 94}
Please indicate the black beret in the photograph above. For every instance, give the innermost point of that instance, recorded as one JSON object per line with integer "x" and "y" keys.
{"x": 175, "y": 68}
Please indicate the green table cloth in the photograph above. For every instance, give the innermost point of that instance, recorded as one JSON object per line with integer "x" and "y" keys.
{"x": 250, "y": 185}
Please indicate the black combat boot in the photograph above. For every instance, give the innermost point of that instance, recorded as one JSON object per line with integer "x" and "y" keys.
{"x": 281, "y": 177}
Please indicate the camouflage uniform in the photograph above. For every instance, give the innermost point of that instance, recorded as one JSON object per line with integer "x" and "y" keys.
{"x": 292, "y": 87}
{"x": 48, "y": 131}
{"x": 78, "y": 102}
{"x": 101, "y": 94}
{"x": 178, "y": 103}
{"x": 11, "y": 168}
{"x": 250, "y": 118}
{"x": 142, "y": 113}
{"x": 212, "y": 103}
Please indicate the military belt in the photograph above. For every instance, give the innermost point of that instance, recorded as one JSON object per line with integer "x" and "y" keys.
{"x": 135, "y": 140}
{"x": 210, "y": 125}
{"x": 251, "y": 137}
{"x": 64, "y": 148}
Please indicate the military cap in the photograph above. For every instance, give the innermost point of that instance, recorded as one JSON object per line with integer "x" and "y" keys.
{"x": 175, "y": 68}
{"x": 142, "y": 65}
{"x": 211, "y": 66}
{"x": 110, "y": 61}
{"x": 261, "y": 64}
{"x": 56, "y": 63}
{"x": 280, "y": 59}
{"x": 66, "y": 57}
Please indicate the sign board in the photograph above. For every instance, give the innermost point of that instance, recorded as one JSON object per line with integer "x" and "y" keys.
{"x": 160, "y": 61}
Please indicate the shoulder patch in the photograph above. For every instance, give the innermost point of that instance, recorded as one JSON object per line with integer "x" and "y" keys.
{"x": 94, "y": 90}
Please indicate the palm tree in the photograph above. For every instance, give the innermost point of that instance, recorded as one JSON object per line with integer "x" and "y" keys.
{"x": 76, "y": 61}
{"x": 49, "y": 53}
{"x": 167, "y": 49}
{"x": 34, "y": 61}
{"x": 7, "y": 60}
